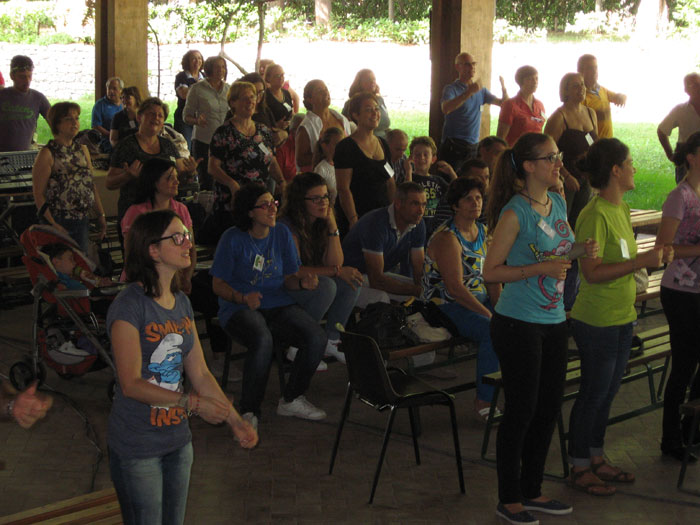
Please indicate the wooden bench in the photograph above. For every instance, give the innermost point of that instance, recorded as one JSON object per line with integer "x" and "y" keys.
{"x": 690, "y": 410}
{"x": 652, "y": 292}
{"x": 656, "y": 348}
{"x": 96, "y": 508}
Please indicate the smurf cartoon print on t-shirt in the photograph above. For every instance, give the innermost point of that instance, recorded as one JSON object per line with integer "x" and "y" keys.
{"x": 166, "y": 363}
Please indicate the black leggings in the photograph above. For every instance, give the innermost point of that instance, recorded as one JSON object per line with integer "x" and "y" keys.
{"x": 533, "y": 364}
{"x": 682, "y": 311}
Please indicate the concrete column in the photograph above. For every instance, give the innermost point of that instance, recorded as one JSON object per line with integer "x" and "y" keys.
{"x": 121, "y": 43}
{"x": 459, "y": 26}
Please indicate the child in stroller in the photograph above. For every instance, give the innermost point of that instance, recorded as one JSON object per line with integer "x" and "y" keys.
{"x": 67, "y": 334}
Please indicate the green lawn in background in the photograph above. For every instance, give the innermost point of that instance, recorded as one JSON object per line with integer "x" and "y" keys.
{"x": 654, "y": 177}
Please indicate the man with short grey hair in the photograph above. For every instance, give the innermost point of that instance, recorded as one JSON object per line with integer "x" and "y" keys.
{"x": 104, "y": 110}
{"x": 20, "y": 107}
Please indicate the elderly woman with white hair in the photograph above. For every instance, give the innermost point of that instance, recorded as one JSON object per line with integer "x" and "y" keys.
{"x": 104, "y": 110}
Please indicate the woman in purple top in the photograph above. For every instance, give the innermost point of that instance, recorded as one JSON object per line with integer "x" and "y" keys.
{"x": 680, "y": 293}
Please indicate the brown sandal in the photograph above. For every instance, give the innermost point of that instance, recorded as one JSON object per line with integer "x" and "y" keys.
{"x": 593, "y": 488}
{"x": 620, "y": 476}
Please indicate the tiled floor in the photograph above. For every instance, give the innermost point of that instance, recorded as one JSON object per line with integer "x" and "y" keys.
{"x": 285, "y": 479}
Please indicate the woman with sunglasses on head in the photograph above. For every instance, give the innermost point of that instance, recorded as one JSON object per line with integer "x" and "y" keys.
{"x": 263, "y": 112}
{"x": 529, "y": 253}
{"x": 680, "y": 295}
{"x": 309, "y": 216}
{"x": 255, "y": 265}
{"x": 155, "y": 343}
{"x": 158, "y": 189}
{"x": 602, "y": 316}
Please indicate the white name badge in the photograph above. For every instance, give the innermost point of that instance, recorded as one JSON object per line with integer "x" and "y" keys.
{"x": 589, "y": 139}
{"x": 546, "y": 228}
{"x": 132, "y": 124}
{"x": 624, "y": 249}
{"x": 264, "y": 148}
{"x": 258, "y": 263}
{"x": 389, "y": 169}
{"x": 287, "y": 107}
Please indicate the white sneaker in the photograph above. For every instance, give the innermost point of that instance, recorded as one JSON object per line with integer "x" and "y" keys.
{"x": 292, "y": 354}
{"x": 300, "y": 408}
{"x": 250, "y": 418}
{"x": 332, "y": 351}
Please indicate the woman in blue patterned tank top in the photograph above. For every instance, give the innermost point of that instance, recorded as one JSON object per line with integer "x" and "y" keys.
{"x": 452, "y": 278}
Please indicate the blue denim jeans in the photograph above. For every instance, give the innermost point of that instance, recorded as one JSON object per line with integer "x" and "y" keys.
{"x": 152, "y": 490}
{"x": 332, "y": 296}
{"x": 256, "y": 329}
{"x": 476, "y": 327}
{"x": 78, "y": 229}
{"x": 604, "y": 352}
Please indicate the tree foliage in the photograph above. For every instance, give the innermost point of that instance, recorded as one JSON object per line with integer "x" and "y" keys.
{"x": 368, "y": 9}
{"x": 551, "y": 14}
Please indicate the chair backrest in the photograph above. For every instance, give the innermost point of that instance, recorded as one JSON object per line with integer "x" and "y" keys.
{"x": 366, "y": 371}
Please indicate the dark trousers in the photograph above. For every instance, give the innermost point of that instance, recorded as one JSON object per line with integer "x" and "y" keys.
{"x": 682, "y": 311}
{"x": 456, "y": 152}
{"x": 257, "y": 328}
{"x": 533, "y": 364}
{"x": 200, "y": 150}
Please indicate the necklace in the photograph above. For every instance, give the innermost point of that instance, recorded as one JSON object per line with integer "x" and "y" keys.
{"x": 545, "y": 204}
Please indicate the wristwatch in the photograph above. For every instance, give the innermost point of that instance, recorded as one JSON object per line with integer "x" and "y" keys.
{"x": 336, "y": 233}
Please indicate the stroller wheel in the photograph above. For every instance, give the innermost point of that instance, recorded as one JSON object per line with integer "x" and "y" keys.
{"x": 21, "y": 375}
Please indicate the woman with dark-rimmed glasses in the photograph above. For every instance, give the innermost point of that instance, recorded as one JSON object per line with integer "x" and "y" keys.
{"x": 255, "y": 264}
{"x": 309, "y": 216}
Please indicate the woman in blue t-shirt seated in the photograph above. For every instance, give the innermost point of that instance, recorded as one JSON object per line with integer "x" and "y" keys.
{"x": 256, "y": 262}
{"x": 154, "y": 342}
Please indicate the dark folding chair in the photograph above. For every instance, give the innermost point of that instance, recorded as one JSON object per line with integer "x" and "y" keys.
{"x": 383, "y": 388}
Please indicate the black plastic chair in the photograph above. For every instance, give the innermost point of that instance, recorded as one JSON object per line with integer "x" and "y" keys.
{"x": 392, "y": 388}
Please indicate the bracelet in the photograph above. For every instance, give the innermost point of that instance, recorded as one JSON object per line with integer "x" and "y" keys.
{"x": 522, "y": 272}
{"x": 10, "y": 409}
{"x": 336, "y": 233}
{"x": 183, "y": 401}
{"x": 195, "y": 411}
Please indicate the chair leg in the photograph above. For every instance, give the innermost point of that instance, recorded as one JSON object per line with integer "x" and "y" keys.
{"x": 458, "y": 450}
{"x": 387, "y": 433}
{"x": 280, "y": 357}
{"x": 414, "y": 434}
{"x": 341, "y": 423}
{"x": 562, "y": 445}
{"x": 227, "y": 362}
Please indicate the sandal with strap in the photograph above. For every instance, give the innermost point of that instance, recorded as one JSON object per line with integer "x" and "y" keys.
{"x": 619, "y": 476}
{"x": 594, "y": 488}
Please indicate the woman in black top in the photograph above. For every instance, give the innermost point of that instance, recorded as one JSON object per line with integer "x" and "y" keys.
{"x": 278, "y": 99}
{"x": 124, "y": 122}
{"x": 191, "y": 73}
{"x": 362, "y": 165}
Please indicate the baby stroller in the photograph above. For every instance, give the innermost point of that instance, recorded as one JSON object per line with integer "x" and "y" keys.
{"x": 66, "y": 334}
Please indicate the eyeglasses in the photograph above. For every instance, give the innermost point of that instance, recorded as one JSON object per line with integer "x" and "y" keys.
{"x": 552, "y": 157}
{"x": 318, "y": 200}
{"x": 268, "y": 205}
{"x": 177, "y": 237}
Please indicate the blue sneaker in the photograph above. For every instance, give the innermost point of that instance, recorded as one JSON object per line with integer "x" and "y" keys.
{"x": 548, "y": 507}
{"x": 519, "y": 518}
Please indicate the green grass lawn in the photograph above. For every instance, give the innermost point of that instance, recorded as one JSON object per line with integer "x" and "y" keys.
{"x": 654, "y": 178}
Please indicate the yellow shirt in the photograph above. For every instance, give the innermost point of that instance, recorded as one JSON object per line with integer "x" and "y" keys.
{"x": 600, "y": 103}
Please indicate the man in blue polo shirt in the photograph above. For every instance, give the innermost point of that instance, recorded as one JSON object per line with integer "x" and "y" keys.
{"x": 461, "y": 104}
{"x": 104, "y": 110}
{"x": 386, "y": 245}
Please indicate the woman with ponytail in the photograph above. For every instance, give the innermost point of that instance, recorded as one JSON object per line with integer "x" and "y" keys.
{"x": 602, "y": 316}
{"x": 530, "y": 254}
{"x": 680, "y": 293}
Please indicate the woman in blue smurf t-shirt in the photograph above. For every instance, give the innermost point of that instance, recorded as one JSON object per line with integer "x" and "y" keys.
{"x": 530, "y": 252}
{"x": 154, "y": 342}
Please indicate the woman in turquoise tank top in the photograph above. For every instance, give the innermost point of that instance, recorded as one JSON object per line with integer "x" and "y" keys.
{"x": 530, "y": 253}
